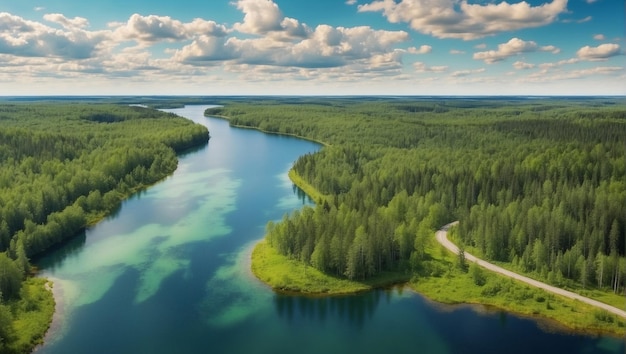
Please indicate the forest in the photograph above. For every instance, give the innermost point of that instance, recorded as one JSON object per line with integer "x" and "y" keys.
{"x": 538, "y": 185}
{"x": 63, "y": 167}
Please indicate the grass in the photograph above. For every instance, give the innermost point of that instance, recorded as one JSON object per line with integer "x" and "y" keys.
{"x": 308, "y": 189}
{"x": 456, "y": 286}
{"x": 32, "y": 316}
{"x": 446, "y": 283}
{"x": 607, "y": 297}
{"x": 292, "y": 276}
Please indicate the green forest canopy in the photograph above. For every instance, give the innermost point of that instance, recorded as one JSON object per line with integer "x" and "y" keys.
{"x": 539, "y": 184}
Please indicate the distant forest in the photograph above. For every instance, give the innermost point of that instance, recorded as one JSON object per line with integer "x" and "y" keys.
{"x": 64, "y": 167}
{"x": 536, "y": 184}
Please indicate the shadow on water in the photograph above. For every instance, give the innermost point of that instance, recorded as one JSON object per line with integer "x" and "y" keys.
{"x": 354, "y": 309}
{"x": 60, "y": 252}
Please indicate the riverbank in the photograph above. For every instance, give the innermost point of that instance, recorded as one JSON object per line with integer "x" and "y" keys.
{"x": 291, "y": 276}
{"x": 455, "y": 286}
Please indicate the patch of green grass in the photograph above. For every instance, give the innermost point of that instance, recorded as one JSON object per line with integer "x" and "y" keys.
{"x": 288, "y": 275}
{"x": 33, "y": 315}
{"x": 308, "y": 189}
{"x": 456, "y": 286}
{"x": 605, "y": 296}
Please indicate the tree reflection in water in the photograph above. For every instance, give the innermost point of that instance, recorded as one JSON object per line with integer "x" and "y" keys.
{"x": 355, "y": 309}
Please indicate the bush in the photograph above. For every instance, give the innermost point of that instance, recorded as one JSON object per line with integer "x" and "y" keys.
{"x": 491, "y": 289}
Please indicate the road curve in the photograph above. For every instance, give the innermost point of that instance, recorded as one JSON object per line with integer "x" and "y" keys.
{"x": 442, "y": 238}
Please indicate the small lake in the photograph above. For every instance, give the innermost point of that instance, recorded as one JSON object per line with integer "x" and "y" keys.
{"x": 169, "y": 273}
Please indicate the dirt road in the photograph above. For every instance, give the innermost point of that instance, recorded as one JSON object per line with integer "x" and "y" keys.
{"x": 442, "y": 238}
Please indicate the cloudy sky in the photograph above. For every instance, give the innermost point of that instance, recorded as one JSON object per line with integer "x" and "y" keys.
{"x": 312, "y": 47}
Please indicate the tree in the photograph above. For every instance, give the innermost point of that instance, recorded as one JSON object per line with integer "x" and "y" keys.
{"x": 477, "y": 274}
{"x": 462, "y": 263}
{"x": 10, "y": 278}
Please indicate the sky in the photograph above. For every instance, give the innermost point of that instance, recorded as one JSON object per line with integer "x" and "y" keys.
{"x": 312, "y": 47}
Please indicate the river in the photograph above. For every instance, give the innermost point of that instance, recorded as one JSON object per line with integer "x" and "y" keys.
{"x": 169, "y": 273}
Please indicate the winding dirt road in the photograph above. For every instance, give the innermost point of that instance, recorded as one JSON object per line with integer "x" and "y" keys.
{"x": 442, "y": 238}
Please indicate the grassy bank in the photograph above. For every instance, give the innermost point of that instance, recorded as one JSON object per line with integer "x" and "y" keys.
{"x": 450, "y": 285}
{"x": 292, "y": 276}
{"x": 478, "y": 286}
{"x": 31, "y": 316}
{"x": 307, "y": 188}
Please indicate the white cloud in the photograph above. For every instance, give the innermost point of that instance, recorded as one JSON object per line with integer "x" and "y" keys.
{"x": 26, "y": 38}
{"x": 461, "y": 73}
{"x": 520, "y": 65}
{"x": 456, "y": 52}
{"x": 424, "y": 49}
{"x": 513, "y": 47}
{"x": 546, "y": 66}
{"x": 350, "y": 2}
{"x": 449, "y": 19}
{"x": 76, "y": 22}
{"x": 263, "y": 17}
{"x": 601, "y": 52}
{"x": 422, "y": 68}
{"x": 326, "y": 47}
{"x": 481, "y": 46}
{"x": 150, "y": 29}
{"x": 39, "y": 8}
{"x": 599, "y": 37}
{"x": 582, "y": 20}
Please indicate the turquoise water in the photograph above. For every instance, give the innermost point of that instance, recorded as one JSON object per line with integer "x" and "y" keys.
{"x": 169, "y": 273}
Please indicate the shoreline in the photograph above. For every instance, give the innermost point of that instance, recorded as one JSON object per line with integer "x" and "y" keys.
{"x": 323, "y": 144}
{"x": 552, "y": 323}
{"x": 53, "y": 285}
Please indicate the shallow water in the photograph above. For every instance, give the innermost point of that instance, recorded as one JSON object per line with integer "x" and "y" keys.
{"x": 169, "y": 273}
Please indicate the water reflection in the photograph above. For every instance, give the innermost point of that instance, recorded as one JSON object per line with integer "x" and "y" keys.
{"x": 59, "y": 253}
{"x": 356, "y": 310}
{"x": 302, "y": 196}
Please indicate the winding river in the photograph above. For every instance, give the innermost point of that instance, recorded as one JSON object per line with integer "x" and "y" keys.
{"x": 169, "y": 273}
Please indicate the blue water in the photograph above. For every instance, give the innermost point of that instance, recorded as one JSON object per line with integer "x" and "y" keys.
{"x": 169, "y": 273}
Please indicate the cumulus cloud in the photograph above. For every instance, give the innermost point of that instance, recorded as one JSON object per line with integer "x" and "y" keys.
{"x": 350, "y": 2}
{"x": 263, "y": 17}
{"x": 152, "y": 28}
{"x": 26, "y": 38}
{"x": 449, "y": 19}
{"x": 460, "y": 73}
{"x": 513, "y": 47}
{"x": 599, "y": 37}
{"x": 601, "y": 52}
{"x": 456, "y": 52}
{"x": 76, "y": 22}
{"x": 520, "y": 65}
{"x": 424, "y": 49}
{"x": 326, "y": 46}
{"x": 423, "y": 68}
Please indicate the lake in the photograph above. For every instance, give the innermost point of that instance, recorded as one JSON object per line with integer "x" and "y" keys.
{"x": 169, "y": 273}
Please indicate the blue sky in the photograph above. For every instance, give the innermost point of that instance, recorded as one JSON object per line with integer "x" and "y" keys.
{"x": 328, "y": 47}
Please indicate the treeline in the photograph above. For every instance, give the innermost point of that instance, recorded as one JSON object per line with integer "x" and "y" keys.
{"x": 65, "y": 166}
{"x": 540, "y": 184}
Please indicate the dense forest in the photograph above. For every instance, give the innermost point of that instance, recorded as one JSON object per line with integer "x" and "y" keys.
{"x": 64, "y": 167}
{"x": 537, "y": 184}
